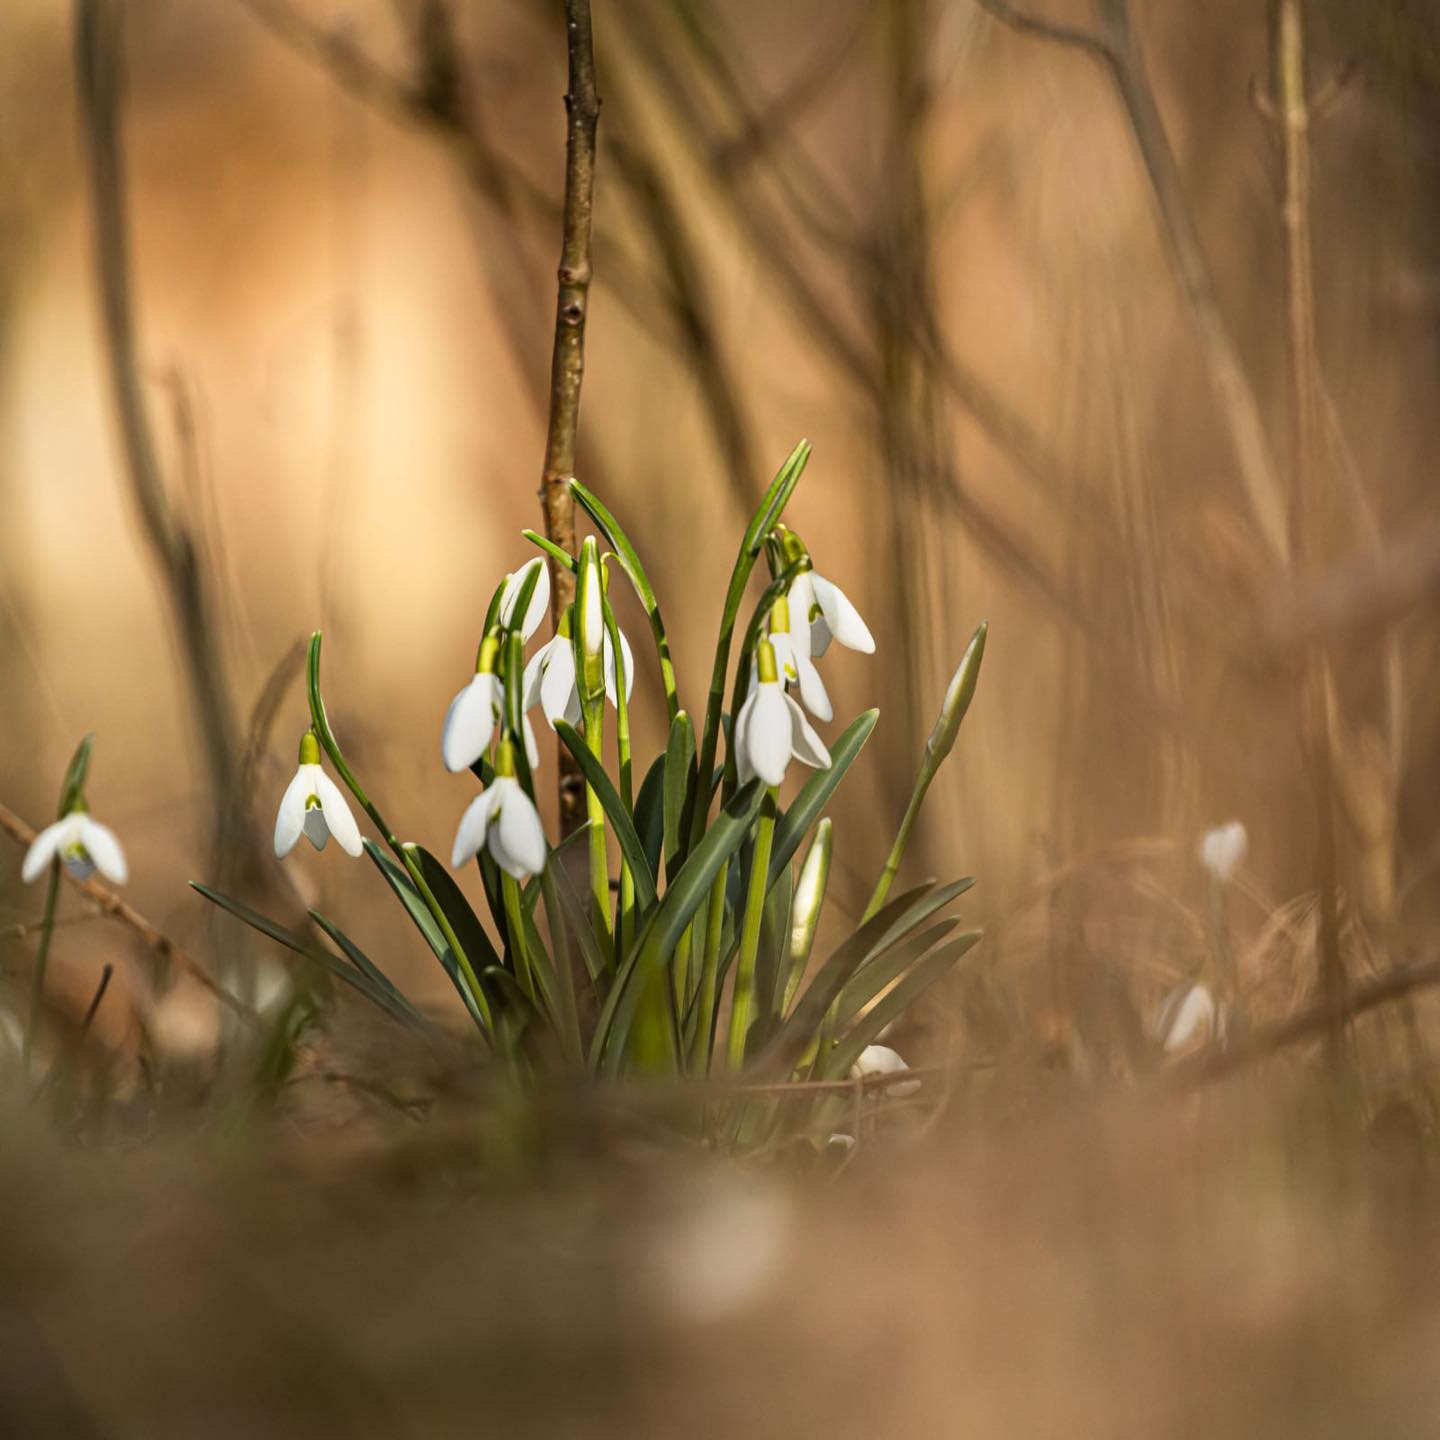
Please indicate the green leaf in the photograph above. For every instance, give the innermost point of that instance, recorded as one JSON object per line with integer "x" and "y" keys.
{"x": 615, "y": 813}
{"x": 370, "y": 970}
{"x": 299, "y": 944}
{"x": 886, "y": 967}
{"x": 805, "y": 809}
{"x": 780, "y": 1056}
{"x": 463, "y": 920}
{"x": 650, "y": 813}
{"x": 425, "y": 923}
{"x": 895, "y": 1004}
{"x": 72, "y": 788}
{"x": 657, "y": 939}
{"x": 680, "y": 781}
{"x": 561, "y": 557}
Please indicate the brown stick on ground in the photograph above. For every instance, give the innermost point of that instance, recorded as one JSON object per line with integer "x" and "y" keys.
{"x": 107, "y": 902}
{"x": 567, "y": 362}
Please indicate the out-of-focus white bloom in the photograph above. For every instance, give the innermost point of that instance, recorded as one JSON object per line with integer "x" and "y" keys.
{"x": 1190, "y": 1018}
{"x": 820, "y": 610}
{"x": 83, "y": 844}
{"x": 840, "y": 1141}
{"x": 772, "y": 728}
{"x": 1222, "y": 850}
{"x": 882, "y": 1060}
{"x": 539, "y": 597}
{"x": 314, "y": 806}
{"x": 504, "y": 820}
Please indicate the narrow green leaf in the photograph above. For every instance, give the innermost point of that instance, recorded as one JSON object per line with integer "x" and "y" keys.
{"x": 895, "y": 1004}
{"x": 883, "y": 970}
{"x": 463, "y": 920}
{"x": 680, "y": 779}
{"x": 615, "y": 813}
{"x": 368, "y": 968}
{"x": 659, "y": 936}
{"x": 73, "y": 785}
{"x": 650, "y": 812}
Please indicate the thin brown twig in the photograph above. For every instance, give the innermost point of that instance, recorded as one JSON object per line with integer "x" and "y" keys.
{"x": 108, "y": 903}
{"x": 567, "y": 361}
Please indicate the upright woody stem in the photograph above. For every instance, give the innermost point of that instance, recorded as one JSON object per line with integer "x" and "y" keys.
{"x": 567, "y": 361}
{"x": 1293, "y": 107}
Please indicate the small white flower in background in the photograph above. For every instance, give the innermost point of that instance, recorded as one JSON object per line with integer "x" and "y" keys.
{"x": 840, "y": 1141}
{"x": 550, "y": 677}
{"x": 539, "y": 597}
{"x": 771, "y": 728}
{"x": 474, "y": 714}
{"x": 793, "y": 657}
{"x": 1190, "y": 1018}
{"x": 1222, "y": 850}
{"x": 505, "y": 821}
{"x": 314, "y": 806}
{"x": 821, "y": 611}
{"x": 882, "y": 1060}
{"x": 83, "y": 844}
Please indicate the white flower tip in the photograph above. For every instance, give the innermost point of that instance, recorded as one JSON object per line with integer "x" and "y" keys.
{"x": 882, "y": 1060}
{"x": 1222, "y": 851}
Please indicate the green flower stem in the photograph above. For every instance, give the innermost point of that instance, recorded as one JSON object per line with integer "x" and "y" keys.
{"x": 681, "y": 970}
{"x": 594, "y": 714}
{"x": 42, "y": 955}
{"x": 626, "y": 907}
{"x": 742, "y": 1006}
{"x": 524, "y": 972}
{"x": 709, "y": 974}
{"x": 958, "y": 695}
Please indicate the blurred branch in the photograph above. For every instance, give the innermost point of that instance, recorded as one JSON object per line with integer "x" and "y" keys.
{"x": 107, "y": 902}
{"x": 567, "y": 360}
{"x": 97, "y": 64}
{"x": 1115, "y": 44}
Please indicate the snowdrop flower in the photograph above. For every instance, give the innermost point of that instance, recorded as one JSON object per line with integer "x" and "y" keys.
{"x": 1190, "y": 1018}
{"x": 821, "y": 611}
{"x": 504, "y": 820}
{"x": 83, "y": 844}
{"x": 550, "y": 676}
{"x": 771, "y": 727}
{"x": 793, "y": 656}
{"x": 1222, "y": 850}
{"x": 475, "y": 712}
{"x": 882, "y": 1060}
{"x": 539, "y": 597}
{"x": 314, "y": 806}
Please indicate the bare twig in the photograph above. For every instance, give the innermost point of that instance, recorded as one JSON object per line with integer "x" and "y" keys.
{"x": 567, "y": 362}
{"x": 1115, "y": 44}
{"x": 108, "y": 903}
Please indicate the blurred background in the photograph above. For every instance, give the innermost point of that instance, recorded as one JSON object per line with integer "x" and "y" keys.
{"x": 1045, "y": 378}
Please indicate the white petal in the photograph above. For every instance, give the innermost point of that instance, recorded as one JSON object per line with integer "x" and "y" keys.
{"x": 768, "y": 732}
{"x": 337, "y": 814}
{"x": 841, "y": 617}
{"x": 290, "y": 820}
{"x": 517, "y": 839}
{"x": 532, "y": 750}
{"x": 1223, "y": 849}
{"x": 559, "y": 697}
{"x": 317, "y": 832}
{"x": 812, "y": 689}
{"x": 784, "y": 650}
{"x": 45, "y": 844}
{"x": 1187, "y": 1016}
{"x": 882, "y": 1060}
{"x": 819, "y": 637}
{"x": 534, "y": 674}
{"x": 805, "y": 744}
{"x": 801, "y": 598}
{"x": 473, "y": 825}
{"x": 627, "y": 659}
{"x": 104, "y": 849}
{"x": 739, "y": 730}
{"x": 469, "y": 723}
{"x": 539, "y": 600}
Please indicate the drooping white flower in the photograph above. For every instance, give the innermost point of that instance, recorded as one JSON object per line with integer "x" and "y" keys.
{"x": 1222, "y": 850}
{"x": 771, "y": 728}
{"x": 882, "y": 1060}
{"x": 539, "y": 597}
{"x": 474, "y": 714}
{"x": 1189, "y": 1018}
{"x": 83, "y": 844}
{"x": 792, "y": 654}
{"x": 504, "y": 820}
{"x": 821, "y": 611}
{"x": 314, "y": 806}
{"x": 550, "y": 677}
